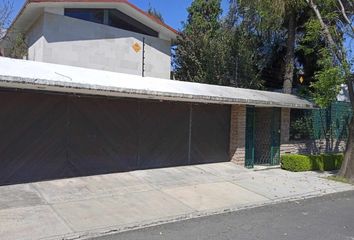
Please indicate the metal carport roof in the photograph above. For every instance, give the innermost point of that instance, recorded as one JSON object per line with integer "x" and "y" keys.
{"x": 40, "y": 76}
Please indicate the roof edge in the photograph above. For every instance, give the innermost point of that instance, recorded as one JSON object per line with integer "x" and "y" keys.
{"x": 78, "y": 88}
{"x": 93, "y": 1}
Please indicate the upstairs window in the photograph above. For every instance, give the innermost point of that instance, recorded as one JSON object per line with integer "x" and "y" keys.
{"x": 110, "y": 17}
{"x": 91, "y": 15}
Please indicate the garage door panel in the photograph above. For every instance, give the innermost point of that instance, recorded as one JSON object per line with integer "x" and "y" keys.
{"x": 103, "y": 135}
{"x": 45, "y": 136}
{"x": 164, "y": 134}
{"x": 210, "y": 133}
{"x": 32, "y": 143}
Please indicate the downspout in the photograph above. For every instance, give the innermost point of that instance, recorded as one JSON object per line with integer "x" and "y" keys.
{"x": 143, "y": 59}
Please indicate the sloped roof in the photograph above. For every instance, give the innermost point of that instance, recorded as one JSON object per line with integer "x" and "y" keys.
{"x": 40, "y": 76}
{"x": 32, "y": 9}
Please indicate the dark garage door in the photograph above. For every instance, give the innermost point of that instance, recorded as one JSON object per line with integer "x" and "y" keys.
{"x": 47, "y": 136}
{"x": 210, "y": 133}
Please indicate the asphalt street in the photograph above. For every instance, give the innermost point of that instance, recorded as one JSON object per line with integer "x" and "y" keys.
{"x": 330, "y": 217}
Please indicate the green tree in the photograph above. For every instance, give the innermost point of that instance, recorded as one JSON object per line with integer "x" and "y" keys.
{"x": 201, "y": 49}
{"x": 154, "y": 12}
{"x": 18, "y": 46}
{"x": 214, "y": 50}
{"x": 335, "y": 25}
{"x": 242, "y": 49}
{"x": 279, "y": 17}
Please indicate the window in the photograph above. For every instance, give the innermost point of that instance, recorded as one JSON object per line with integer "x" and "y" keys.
{"x": 110, "y": 17}
{"x": 91, "y": 15}
{"x": 118, "y": 19}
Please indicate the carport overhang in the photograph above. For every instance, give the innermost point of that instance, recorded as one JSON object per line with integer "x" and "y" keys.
{"x": 23, "y": 74}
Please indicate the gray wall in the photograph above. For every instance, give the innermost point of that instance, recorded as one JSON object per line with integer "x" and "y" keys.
{"x": 59, "y": 39}
{"x": 35, "y": 41}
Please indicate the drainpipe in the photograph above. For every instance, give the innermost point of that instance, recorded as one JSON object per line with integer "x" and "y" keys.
{"x": 143, "y": 60}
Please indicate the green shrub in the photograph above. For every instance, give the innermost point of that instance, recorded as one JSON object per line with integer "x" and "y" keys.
{"x": 300, "y": 163}
{"x": 296, "y": 163}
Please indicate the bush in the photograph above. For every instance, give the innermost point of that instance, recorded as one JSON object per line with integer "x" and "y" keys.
{"x": 301, "y": 163}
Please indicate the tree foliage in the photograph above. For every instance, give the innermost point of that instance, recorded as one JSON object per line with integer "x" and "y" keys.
{"x": 154, "y": 12}
{"x": 278, "y": 20}
{"x": 330, "y": 72}
{"x": 199, "y": 55}
{"x": 19, "y": 48}
{"x": 214, "y": 50}
{"x": 328, "y": 80}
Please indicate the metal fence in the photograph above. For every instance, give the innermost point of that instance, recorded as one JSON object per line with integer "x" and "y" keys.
{"x": 332, "y": 122}
{"x": 316, "y": 124}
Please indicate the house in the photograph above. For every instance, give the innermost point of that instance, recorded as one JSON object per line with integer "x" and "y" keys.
{"x": 61, "y": 121}
{"x": 112, "y": 35}
{"x": 93, "y": 97}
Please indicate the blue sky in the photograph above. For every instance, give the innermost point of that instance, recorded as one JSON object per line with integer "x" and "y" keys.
{"x": 173, "y": 11}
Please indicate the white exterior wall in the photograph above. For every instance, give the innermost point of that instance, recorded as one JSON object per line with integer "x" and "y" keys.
{"x": 81, "y": 43}
{"x": 35, "y": 41}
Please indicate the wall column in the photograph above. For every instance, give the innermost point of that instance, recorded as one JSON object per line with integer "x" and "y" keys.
{"x": 285, "y": 126}
{"x": 238, "y": 134}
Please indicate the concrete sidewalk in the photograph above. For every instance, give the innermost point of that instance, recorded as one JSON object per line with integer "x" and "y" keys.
{"x": 90, "y": 206}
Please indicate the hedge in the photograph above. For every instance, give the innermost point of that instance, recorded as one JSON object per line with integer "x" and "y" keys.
{"x": 301, "y": 163}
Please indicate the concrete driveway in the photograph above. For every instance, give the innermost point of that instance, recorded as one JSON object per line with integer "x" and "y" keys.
{"x": 90, "y": 206}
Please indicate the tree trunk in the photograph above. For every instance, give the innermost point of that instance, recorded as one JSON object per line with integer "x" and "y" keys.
{"x": 347, "y": 169}
{"x": 290, "y": 54}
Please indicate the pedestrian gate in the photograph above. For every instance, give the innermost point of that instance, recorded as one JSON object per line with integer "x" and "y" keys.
{"x": 262, "y": 136}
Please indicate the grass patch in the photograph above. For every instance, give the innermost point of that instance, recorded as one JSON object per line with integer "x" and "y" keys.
{"x": 301, "y": 163}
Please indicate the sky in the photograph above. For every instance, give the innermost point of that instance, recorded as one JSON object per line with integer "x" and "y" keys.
{"x": 173, "y": 11}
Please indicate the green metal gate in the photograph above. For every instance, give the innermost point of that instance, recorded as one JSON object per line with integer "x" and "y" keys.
{"x": 262, "y": 136}
{"x": 249, "y": 150}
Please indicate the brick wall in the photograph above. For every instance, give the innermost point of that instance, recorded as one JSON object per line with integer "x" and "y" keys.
{"x": 285, "y": 125}
{"x": 312, "y": 147}
{"x": 238, "y": 134}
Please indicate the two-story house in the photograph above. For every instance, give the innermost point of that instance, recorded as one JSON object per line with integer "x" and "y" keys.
{"x": 112, "y": 35}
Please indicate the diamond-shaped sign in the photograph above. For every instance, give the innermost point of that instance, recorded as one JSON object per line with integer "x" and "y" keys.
{"x": 302, "y": 79}
{"x": 136, "y": 47}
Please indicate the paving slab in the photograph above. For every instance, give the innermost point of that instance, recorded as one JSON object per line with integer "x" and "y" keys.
{"x": 278, "y": 184}
{"x": 114, "y": 184}
{"x": 33, "y": 222}
{"x": 225, "y": 170}
{"x": 273, "y": 188}
{"x": 75, "y": 189}
{"x": 22, "y": 195}
{"x": 63, "y": 190}
{"x": 121, "y": 210}
{"x": 210, "y": 196}
{"x": 178, "y": 176}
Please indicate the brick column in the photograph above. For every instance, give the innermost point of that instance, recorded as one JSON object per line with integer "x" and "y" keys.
{"x": 238, "y": 134}
{"x": 285, "y": 125}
